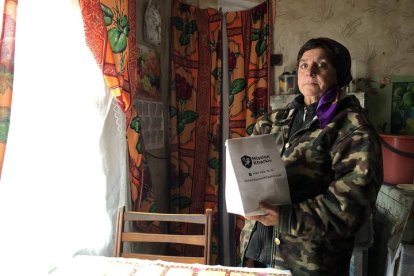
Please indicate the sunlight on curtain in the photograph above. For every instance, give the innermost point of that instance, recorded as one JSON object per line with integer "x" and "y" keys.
{"x": 65, "y": 159}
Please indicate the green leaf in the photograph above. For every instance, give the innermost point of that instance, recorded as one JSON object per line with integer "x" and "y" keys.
{"x": 216, "y": 73}
{"x": 182, "y": 178}
{"x": 190, "y": 27}
{"x": 188, "y": 116}
{"x": 136, "y": 124}
{"x": 153, "y": 208}
{"x": 184, "y": 39}
{"x": 178, "y": 23}
{"x": 139, "y": 145}
{"x": 213, "y": 163}
{"x": 237, "y": 86}
{"x": 255, "y": 34}
{"x": 231, "y": 99}
{"x": 173, "y": 111}
{"x": 107, "y": 13}
{"x": 249, "y": 129}
{"x": 181, "y": 201}
{"x": 180, "y": 127}
{"x": 118, "y": 40}
{"x": 124, "y": 22}
{"x": 255, "y": 114}
{"x": 265, "y": 30}
{"x": 124, "y": 25}
{"x": 261, "y": 47}
{"x": 126, "y": 31}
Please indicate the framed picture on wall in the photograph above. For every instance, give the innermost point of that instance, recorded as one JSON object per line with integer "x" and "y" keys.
{"x": 402, "y": 106}
{"x": 149, "y": 74}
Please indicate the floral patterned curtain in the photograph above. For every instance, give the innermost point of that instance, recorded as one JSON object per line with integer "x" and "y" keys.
{"x": 110, "y": 30}
{"x": 195, "y": 109}
{"x": 8, "y": 34}
{"x": 249, "y": 46}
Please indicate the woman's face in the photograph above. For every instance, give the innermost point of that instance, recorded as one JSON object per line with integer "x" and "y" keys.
{"x": 316, "y": 73}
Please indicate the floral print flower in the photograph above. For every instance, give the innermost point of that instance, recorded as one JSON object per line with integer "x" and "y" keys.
{"x": 232, "y": 60}
{"x": 258, "y": 103}
{"x": 183, "y": 88}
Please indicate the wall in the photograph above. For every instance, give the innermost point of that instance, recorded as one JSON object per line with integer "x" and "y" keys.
{"x": 378, "y": 33}
{"x": 159, "y": 167}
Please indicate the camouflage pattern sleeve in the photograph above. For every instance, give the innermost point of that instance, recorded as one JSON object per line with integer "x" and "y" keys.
{"x": 356, "y": 166}
{"x": 245, "y": 235}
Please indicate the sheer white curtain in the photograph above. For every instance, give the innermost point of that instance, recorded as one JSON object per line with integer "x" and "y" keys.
{"x": 64, "y": 172}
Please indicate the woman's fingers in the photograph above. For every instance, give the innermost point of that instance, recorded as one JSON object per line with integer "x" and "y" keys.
{"x": 267, "y": 206}
{"x": 271, "y": 216}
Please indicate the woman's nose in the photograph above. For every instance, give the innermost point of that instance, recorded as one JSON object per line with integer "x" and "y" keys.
{"x": 313, "y": 69}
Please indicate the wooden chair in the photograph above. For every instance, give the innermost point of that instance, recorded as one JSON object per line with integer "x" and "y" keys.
{"x": 132, "y": 237}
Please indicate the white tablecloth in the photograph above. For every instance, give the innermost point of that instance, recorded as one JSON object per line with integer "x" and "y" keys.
{"x": 109, "y": 266}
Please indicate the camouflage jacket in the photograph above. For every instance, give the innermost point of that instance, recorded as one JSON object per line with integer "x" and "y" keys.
{"x": 334, "y": 176}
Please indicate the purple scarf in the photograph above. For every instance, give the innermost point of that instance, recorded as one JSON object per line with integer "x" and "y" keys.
{"x": 327, "y": 106}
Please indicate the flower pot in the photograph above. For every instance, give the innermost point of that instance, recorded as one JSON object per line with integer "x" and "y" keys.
{"x": 398, "y": 158}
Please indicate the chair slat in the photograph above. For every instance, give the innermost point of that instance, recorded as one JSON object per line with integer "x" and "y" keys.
{"x": 166, "y": 238}
{"x": 188, "y": 218}
{"x": 180, "y": 259}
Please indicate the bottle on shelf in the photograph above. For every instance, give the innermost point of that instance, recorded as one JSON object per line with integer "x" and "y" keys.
{"x": 287, "y": 82}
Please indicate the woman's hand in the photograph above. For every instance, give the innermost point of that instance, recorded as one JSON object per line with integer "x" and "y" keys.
{"x": 271, "y": 216}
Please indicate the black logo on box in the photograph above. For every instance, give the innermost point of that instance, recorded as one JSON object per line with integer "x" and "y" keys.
{"x": 246, "y": 161}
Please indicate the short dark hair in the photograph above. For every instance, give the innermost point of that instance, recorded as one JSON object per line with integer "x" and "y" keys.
{"x": 338, "y": 54}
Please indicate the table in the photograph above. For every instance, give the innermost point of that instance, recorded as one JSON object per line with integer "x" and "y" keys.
{"x": 82, "y": 265}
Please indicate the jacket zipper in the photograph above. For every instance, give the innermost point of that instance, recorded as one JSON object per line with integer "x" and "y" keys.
{"x": 275, "y": 247}
{"x": 292, "y": 137}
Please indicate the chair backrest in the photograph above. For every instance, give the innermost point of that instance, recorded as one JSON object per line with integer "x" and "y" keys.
{"x": 202, "y": 240}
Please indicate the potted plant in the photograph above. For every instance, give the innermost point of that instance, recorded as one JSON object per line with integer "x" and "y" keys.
{"x": 390, "y": 106}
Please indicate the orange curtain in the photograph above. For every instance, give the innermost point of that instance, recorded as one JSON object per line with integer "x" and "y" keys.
{"x": 249, "y": 42}
{"x": 195, "y": 110}
{"x": 6, "y": 71}
{"x": 249, "y": 35}
{"x": 110, "y": 30}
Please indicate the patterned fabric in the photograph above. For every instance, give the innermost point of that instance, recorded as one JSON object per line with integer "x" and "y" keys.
{"x": 195, "y": 113}
{"x": 6, "y": 71}
{"x": 249, "y": 35}
{"x": 249, "y": 39}
{"x": 110, "y": 33}
{"x": 334, "y": 176}
{"x": 195, "y": 109}
{"x": 99, "y": 265}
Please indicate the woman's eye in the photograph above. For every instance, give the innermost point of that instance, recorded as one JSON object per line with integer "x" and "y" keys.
{"x": 322, "y": 65}
{"x": 303, "y": 66}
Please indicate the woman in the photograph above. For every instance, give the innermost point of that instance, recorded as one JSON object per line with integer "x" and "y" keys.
{"x": 333, "y": 162}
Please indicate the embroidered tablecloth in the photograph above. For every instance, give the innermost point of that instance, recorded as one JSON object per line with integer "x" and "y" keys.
{"x": 109, "y": 266}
